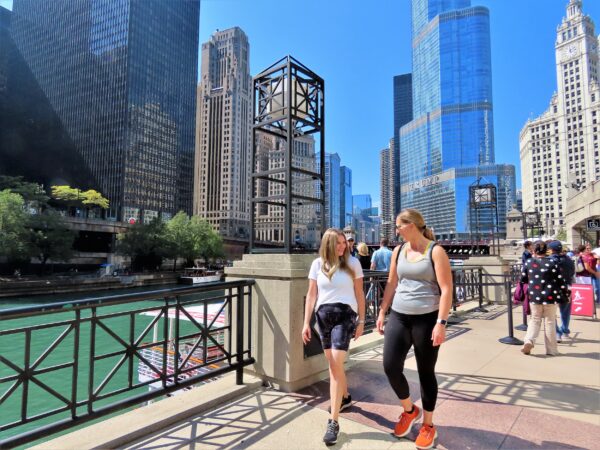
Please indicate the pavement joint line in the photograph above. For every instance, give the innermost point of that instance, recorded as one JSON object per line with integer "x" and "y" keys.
{"x": 512, "y": 425}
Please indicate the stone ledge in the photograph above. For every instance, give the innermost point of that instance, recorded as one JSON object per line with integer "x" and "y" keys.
{"x": 132, "y": 425}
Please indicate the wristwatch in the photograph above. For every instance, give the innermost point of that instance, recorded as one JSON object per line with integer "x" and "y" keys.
{"x": 442, "y": 321}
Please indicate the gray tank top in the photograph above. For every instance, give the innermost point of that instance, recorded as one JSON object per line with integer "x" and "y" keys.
{"x": 418, "y": 291}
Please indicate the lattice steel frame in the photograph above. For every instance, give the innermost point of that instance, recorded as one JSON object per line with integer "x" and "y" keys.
{"x": 477, "y": 202}
{"x": 289, "y": 101}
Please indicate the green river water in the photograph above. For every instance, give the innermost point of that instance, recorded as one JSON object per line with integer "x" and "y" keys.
{"x": 12, "y": 347}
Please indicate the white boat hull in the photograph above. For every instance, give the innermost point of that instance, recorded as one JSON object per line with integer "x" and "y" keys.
{"x": 199, "y": 280}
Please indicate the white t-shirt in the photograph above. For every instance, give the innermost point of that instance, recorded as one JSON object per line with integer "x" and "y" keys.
{"x": 340, "y": 289}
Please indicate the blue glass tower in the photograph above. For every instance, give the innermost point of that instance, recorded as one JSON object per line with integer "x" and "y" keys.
{"x": 450, "y": 141}
{"x": 332, "y": 191}
{"x": 121, "y": 76}
{"x": 403, "y": 113}
{"x": 345, "y": 196}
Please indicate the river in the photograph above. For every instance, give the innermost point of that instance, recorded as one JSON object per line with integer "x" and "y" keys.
{"x": 12, "y": 348}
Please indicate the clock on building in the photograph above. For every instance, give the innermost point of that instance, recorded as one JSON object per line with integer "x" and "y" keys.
{"x": 569, "y": 52}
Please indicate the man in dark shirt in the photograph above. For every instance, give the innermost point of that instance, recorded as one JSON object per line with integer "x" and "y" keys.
{"x": 567, "y": 267}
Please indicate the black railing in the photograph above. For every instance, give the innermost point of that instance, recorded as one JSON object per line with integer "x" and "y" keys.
{"x": 93, "y": 357}
{"x": 373, "y": 284}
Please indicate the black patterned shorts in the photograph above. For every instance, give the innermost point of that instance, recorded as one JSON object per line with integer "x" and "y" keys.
{"x": 336, "y": 323}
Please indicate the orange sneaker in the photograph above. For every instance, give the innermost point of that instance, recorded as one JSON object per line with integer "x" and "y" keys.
{"x": 406, "y": 421}
{"x": 426, "y": 438}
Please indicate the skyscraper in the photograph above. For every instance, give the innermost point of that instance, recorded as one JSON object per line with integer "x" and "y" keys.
{"x": 345, "y": 196}
{"x": 388, "y": 180}
{"x": 121, "y": 77}
{"x": 224, "y": 134}
{"x": 269, "y": 218}
{"x": 449, "y": 144}
{"x": 332, "y": 191}
{"x": 403, "y": 104}
{"x": 559, "y": 149}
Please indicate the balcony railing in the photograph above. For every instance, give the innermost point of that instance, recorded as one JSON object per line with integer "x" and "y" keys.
{"x": 64, "y": 364}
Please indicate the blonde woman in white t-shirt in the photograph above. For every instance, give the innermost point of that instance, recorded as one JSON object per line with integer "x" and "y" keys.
{"x": 335, "y": 292}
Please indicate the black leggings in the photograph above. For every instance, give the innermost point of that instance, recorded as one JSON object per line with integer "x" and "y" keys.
{"x": 402, "y": 331}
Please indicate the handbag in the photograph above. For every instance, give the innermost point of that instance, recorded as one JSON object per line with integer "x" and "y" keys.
{"x": 579, "y": 267}
{"x": 520, "y": 293}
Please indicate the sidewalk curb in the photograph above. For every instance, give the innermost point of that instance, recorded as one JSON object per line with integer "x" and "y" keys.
{"x": 133, "y": 425}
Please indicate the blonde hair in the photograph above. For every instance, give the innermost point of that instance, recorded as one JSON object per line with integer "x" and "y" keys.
{"x": 329, "y": 257}
{"x": 410, "y": 215}
{"x": 363, "y": 249}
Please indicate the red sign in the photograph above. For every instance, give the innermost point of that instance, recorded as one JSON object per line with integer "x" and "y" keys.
{"x": 582, "y": 300}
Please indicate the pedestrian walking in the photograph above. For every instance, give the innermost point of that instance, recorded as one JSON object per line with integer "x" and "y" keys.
{"x": 567, "y": 268}
{"x": 590, "y": 268}
{"x": 419, "y": 291}
{"x": 363, "y": 256}
{"x": 335, "y": 293}
{"x": 351, "y": 246}
{"x": 382, "y": 257}
{"x": 545, "y": 286}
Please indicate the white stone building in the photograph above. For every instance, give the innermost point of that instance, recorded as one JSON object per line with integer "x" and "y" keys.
{"x": 559, "y": 149}
{"x": 224, "y": 135}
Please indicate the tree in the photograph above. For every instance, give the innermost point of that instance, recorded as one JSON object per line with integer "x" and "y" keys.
{"x": 209, "y": 241}
{"x": 95, "y": 198}
{"x": 145, "y": 244}
{"x": 182, "y": 241}
{"x": 50, "y": 238}
{"x": 74, "y": 197}
{"x": 31, "y": 192}
{"x": 561, "y": 234}
{"x": 14, "y": 244}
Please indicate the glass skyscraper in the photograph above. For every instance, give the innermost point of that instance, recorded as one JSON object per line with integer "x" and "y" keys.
{"x": 345, "y": 196}
{"x": 403, "y": 114}
{"x": 121, "y": 76}
{"x": 449, "y": 144}
{"x": 332, "y": 191}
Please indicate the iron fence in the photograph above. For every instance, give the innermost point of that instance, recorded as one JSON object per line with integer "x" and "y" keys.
{"x": 93, "y": 357}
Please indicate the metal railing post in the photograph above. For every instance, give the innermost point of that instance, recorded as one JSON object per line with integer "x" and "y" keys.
{"x": 510, "y": 339}
{"x": 239, "y": 337}
{"x": 480, "y": 308}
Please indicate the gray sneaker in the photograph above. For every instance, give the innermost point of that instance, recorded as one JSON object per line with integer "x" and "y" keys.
{"x": 331, "y": 434}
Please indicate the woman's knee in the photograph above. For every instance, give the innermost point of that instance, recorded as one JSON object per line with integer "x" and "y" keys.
{"x": 392, "y": 366}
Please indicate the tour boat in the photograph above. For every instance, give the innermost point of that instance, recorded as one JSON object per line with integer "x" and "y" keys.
{"x": 197, "y": 275}
{"x": 190, "y": 357}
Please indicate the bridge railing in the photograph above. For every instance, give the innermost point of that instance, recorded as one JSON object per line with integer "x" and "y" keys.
{"x": 64, "y": 364}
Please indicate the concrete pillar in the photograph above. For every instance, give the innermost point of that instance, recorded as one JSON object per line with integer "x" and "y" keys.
{"x": 278, "y": 313}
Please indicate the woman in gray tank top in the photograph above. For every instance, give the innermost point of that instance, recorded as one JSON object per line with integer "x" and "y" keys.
{"x": 419, "y": 291}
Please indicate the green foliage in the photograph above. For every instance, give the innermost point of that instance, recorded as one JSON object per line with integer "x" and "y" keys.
{"x": 66, "y": 194}
{"x": 31, "y": 192}
{"x": 182, "y": 242}
{"x": 145, "y": 244}
{"x": 561, "y": 234}
{"x": 95, "y": 198}
{"x": 193, "y": 238}
{"x": 210, "y": 242}
{"x": 49, "y": 237}
{"x": 14, "y": 243}
{"x": 73, "y": 196}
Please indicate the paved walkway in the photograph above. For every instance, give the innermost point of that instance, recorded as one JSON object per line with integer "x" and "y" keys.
{"x": 491, "y": 397}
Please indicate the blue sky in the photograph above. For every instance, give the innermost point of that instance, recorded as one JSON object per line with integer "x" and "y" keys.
{"x": 357, "y": 46}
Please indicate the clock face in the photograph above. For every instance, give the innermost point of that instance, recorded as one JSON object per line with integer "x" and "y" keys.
{"x": 570, "y": 51}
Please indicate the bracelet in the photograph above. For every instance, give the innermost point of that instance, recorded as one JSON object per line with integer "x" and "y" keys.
{"x": 361, "y": 322}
